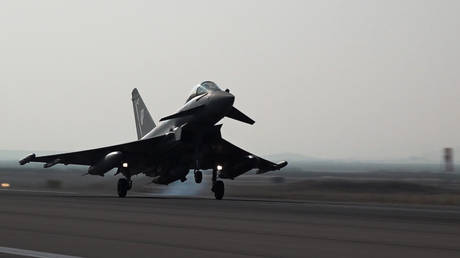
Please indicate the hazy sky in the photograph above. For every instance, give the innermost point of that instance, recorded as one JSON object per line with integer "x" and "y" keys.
{"x": 333, "y": 79}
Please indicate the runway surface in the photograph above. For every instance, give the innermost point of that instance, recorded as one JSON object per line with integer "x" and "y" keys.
{"x": 106, "y": 226}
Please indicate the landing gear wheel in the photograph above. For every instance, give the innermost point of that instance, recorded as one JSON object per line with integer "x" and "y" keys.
{"x": 123, "y": 186}
{"x": 219, "y": 190}
{"x": 198, "y": 177}
{"x": 130, "y": 184}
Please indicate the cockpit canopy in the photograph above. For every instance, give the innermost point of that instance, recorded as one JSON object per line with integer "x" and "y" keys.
{"x": 202, "y": 89}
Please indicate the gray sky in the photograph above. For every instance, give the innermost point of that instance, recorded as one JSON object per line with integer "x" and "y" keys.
{"x": 333, "y": 79}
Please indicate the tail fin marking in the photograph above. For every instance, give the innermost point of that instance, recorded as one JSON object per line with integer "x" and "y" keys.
{"x": 142, "y": 117}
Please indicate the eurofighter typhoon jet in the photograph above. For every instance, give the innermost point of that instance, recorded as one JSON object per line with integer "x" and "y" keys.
{"x": 189, "y": 139}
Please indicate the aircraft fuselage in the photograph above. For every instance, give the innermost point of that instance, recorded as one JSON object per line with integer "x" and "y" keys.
{"x": 206, "y": 109}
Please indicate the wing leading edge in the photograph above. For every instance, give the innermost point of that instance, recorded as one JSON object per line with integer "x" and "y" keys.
{"x": 90, "y": 157}
{"x": 238, "y": 161}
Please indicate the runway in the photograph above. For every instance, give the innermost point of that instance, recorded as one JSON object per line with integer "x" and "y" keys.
{"x": 153, "y": 226}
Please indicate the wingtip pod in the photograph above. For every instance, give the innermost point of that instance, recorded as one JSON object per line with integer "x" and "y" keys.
{"x": 27, "y": 159}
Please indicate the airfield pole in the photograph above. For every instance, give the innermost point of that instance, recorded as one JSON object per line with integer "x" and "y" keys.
{"x": 449, "y": 160}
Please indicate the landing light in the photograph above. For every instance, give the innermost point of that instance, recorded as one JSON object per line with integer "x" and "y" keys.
{"x": 125, "y": 165}
{"x": 219, "y": 167}
{"x": 5, "y": 185}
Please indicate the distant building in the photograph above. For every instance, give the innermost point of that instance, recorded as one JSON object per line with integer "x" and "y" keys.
{"x": 449, "y": 159}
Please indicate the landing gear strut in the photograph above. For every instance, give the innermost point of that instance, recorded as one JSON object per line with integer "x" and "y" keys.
{"x": 198, "y": 176}
{"x": 217, "y": 186}
{"x": 124, "y": 185}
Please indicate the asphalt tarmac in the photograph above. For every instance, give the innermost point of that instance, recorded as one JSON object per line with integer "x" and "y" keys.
{"x": 70, "y": 224}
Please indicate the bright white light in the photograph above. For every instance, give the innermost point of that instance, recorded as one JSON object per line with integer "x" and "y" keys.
{"x": 219, "y": 167}
{"x": 250, "y": 156}
{"x": 125, "y": 165}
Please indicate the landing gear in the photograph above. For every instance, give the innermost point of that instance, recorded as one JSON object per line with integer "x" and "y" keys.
{"x": 217, "y": 186}
{"x": 123, "y": 186}
{"x": 198, "y": 176}
{"x": 219, "y": 190}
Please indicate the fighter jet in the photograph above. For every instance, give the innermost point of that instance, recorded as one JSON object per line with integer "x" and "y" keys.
{"x": 189, "y": 139}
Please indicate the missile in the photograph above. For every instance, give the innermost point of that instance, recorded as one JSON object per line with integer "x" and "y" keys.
{"x": 52, "y": 163}
{"x": 27, "y": 159}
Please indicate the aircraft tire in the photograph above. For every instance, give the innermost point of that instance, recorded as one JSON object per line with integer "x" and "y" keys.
{"x": 122, "y": 188}
{"x": 198, "y": 177}
{"x": 219, "y": 190}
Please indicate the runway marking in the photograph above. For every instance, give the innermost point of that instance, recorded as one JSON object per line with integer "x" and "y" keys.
{"x": 36, "y": 191}
{"x": 31, "y": 253}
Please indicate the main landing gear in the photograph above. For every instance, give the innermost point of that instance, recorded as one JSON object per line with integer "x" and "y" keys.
{"x": 218, "y": 189}
{"x": 218, "y": 186}
{"x": 198, "y": 176}
{"x": 124, "y": 185}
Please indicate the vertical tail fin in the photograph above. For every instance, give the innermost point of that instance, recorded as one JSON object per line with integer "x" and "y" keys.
{"x": 144, "y": 121}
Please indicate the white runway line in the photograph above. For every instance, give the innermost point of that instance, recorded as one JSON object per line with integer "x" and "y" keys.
{"x": 36, "y": 191}
{"x": 30, "y": 253}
